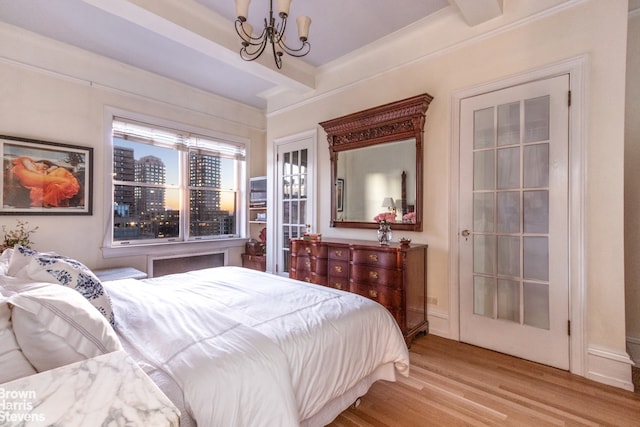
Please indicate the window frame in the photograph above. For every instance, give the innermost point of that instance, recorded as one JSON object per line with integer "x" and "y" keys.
{"x": 184, "y": 240}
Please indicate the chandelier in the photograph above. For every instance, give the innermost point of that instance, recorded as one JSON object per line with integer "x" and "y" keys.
{"x": 252, "y": 47}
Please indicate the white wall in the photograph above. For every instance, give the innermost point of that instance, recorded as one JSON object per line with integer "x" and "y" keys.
{"x": 535, "y": 39}
{"x": 632, "y": 188}
{"x": 54, "y": 92}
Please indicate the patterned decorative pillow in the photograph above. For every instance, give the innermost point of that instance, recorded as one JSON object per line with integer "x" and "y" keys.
{"x": 54, "y": 268}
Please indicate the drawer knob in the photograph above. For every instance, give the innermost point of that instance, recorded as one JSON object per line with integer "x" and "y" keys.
{"x": 373, "y": 274}
{"x": 373, "y": 257}
{"x": 373, "y": 293}
{"x": 338, "y": 253}
{"x": 338, "y": 268}
{"x": 307, "y": 264}
{"x": 308, "y": 250}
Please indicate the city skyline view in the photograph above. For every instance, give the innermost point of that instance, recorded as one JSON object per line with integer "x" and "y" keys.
{"x": 170, "y": 160}
{"x": 149, "y": 180}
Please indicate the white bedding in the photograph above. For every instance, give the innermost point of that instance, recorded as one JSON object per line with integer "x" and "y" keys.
{"x": 250, "y": 348}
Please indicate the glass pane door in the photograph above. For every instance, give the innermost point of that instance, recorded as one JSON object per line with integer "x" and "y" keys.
{"x": 513, "y": 265}
{"x": 293, "y": 204}
{"x": 511, "y": 212}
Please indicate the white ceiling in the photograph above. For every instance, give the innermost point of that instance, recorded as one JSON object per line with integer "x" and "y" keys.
{"x": 194, "y": 41}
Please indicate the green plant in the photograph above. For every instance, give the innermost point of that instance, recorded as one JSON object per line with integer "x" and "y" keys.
{"x": 21, "y": 235}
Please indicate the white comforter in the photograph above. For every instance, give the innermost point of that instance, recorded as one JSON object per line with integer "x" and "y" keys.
{"x": 254, "y": 349}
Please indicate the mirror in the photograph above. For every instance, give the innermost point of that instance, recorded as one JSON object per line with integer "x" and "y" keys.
{"x": 376, "y": 164}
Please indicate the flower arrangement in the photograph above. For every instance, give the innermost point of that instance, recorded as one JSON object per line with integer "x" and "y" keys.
{"x": 21, "y": 235}
{"x": 385, "y": 217}
{"x": 409, "y": 218}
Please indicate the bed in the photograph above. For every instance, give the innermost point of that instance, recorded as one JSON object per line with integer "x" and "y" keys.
{"x": 228, "y": 345}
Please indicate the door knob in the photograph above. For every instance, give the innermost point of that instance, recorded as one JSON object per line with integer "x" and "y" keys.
{"x": 465, "y": 233}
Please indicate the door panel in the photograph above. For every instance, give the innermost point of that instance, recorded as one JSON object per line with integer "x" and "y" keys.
{"x": 295, "y": 198}
{"x": 513, "y": 203}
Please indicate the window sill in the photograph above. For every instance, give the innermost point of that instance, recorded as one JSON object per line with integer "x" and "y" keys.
{"x": 173, "y": 248}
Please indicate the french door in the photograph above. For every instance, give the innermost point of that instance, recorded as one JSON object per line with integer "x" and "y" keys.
{"x": 513, "y": 269}
{"x": 295, "y": 179}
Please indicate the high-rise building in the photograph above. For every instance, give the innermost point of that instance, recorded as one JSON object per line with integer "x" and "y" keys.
{"x": 123, "y": 170}
{"x": 150, "y": 201}
{"x": 206, "y": 217}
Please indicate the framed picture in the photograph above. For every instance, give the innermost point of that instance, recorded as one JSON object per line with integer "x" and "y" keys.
{"x": 45, "y": 178}
{"x": 340, "y": 195}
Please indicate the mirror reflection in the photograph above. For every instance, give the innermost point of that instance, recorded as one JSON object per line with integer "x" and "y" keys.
{"x": 376, "y": 164}
{"x": 375, "y": 179}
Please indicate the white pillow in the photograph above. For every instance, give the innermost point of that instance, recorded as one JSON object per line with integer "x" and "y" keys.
{"x": 20, "y": 257}
{"x": 14, "y": 364}
{"x": 4, "y": 261}
{"x": 54, "y": 326}
{"x": 54, "y": 268}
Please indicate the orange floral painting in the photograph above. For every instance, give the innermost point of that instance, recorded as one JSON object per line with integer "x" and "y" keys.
{"x": 38, "y": 178}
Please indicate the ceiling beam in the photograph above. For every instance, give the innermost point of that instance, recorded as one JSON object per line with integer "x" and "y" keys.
{"x": 215, "y": 40}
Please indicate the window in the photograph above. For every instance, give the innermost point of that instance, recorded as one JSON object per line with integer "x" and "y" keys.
{"x": 170, "y": 185}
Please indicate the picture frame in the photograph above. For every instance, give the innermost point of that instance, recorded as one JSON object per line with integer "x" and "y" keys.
{"x": 45, "y": 178}
{"x": 340, "y": 195}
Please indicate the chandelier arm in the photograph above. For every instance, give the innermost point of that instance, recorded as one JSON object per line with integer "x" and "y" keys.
{"x": 252, "y": 56}
{"x": 304, "y": 49}
{"x": 248, "y": 38}
{"x": 277, "y": 56}
{"x": 280, "y": 31}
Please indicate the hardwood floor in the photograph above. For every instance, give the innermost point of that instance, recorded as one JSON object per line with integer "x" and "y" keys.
{"x": 455, "y": 384}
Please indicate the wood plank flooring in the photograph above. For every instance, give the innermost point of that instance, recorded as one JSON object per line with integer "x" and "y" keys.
{"x": 455, "y": 384}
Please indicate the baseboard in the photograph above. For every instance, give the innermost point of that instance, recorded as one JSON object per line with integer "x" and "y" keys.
{"x": 633, "y": 348}
{"x": 438, "y": 323}
{"x": 609, "y": 367}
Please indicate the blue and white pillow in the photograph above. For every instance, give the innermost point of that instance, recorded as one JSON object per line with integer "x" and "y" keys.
{"x": 53, "y": 268}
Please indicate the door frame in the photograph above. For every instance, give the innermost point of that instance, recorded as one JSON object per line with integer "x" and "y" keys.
{"x": 575, "y": 67}
{"x": 273, "y": 204}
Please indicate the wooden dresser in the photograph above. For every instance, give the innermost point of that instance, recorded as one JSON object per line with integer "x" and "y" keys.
{"x": 394, "y": 276}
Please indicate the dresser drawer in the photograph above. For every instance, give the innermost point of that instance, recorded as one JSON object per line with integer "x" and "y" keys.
{"x": 338, "y": 269}
{"x": 319, "y": 265}
{"x": 338, "y": 272}
{"x": 301, "y": 263}
{"x": 304, "y": 276}
{"x": 376, "y": 276}
{"x": 338, "y": 253}
{"x": 339, "y": 283}
{"x": 390, "y": 298}
{"x": 300, "y": 248}
{"x": 300, "y": 268}
{"x": 307, "y": 248}
{"x": 318, "y": 250}
{"x": 377, "y": 258}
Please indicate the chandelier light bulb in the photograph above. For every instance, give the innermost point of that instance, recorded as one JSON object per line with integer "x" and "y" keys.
{"x": 283, "y": 8}
{"x": 242, "y": 9}
{"x": 304, "y": 22}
